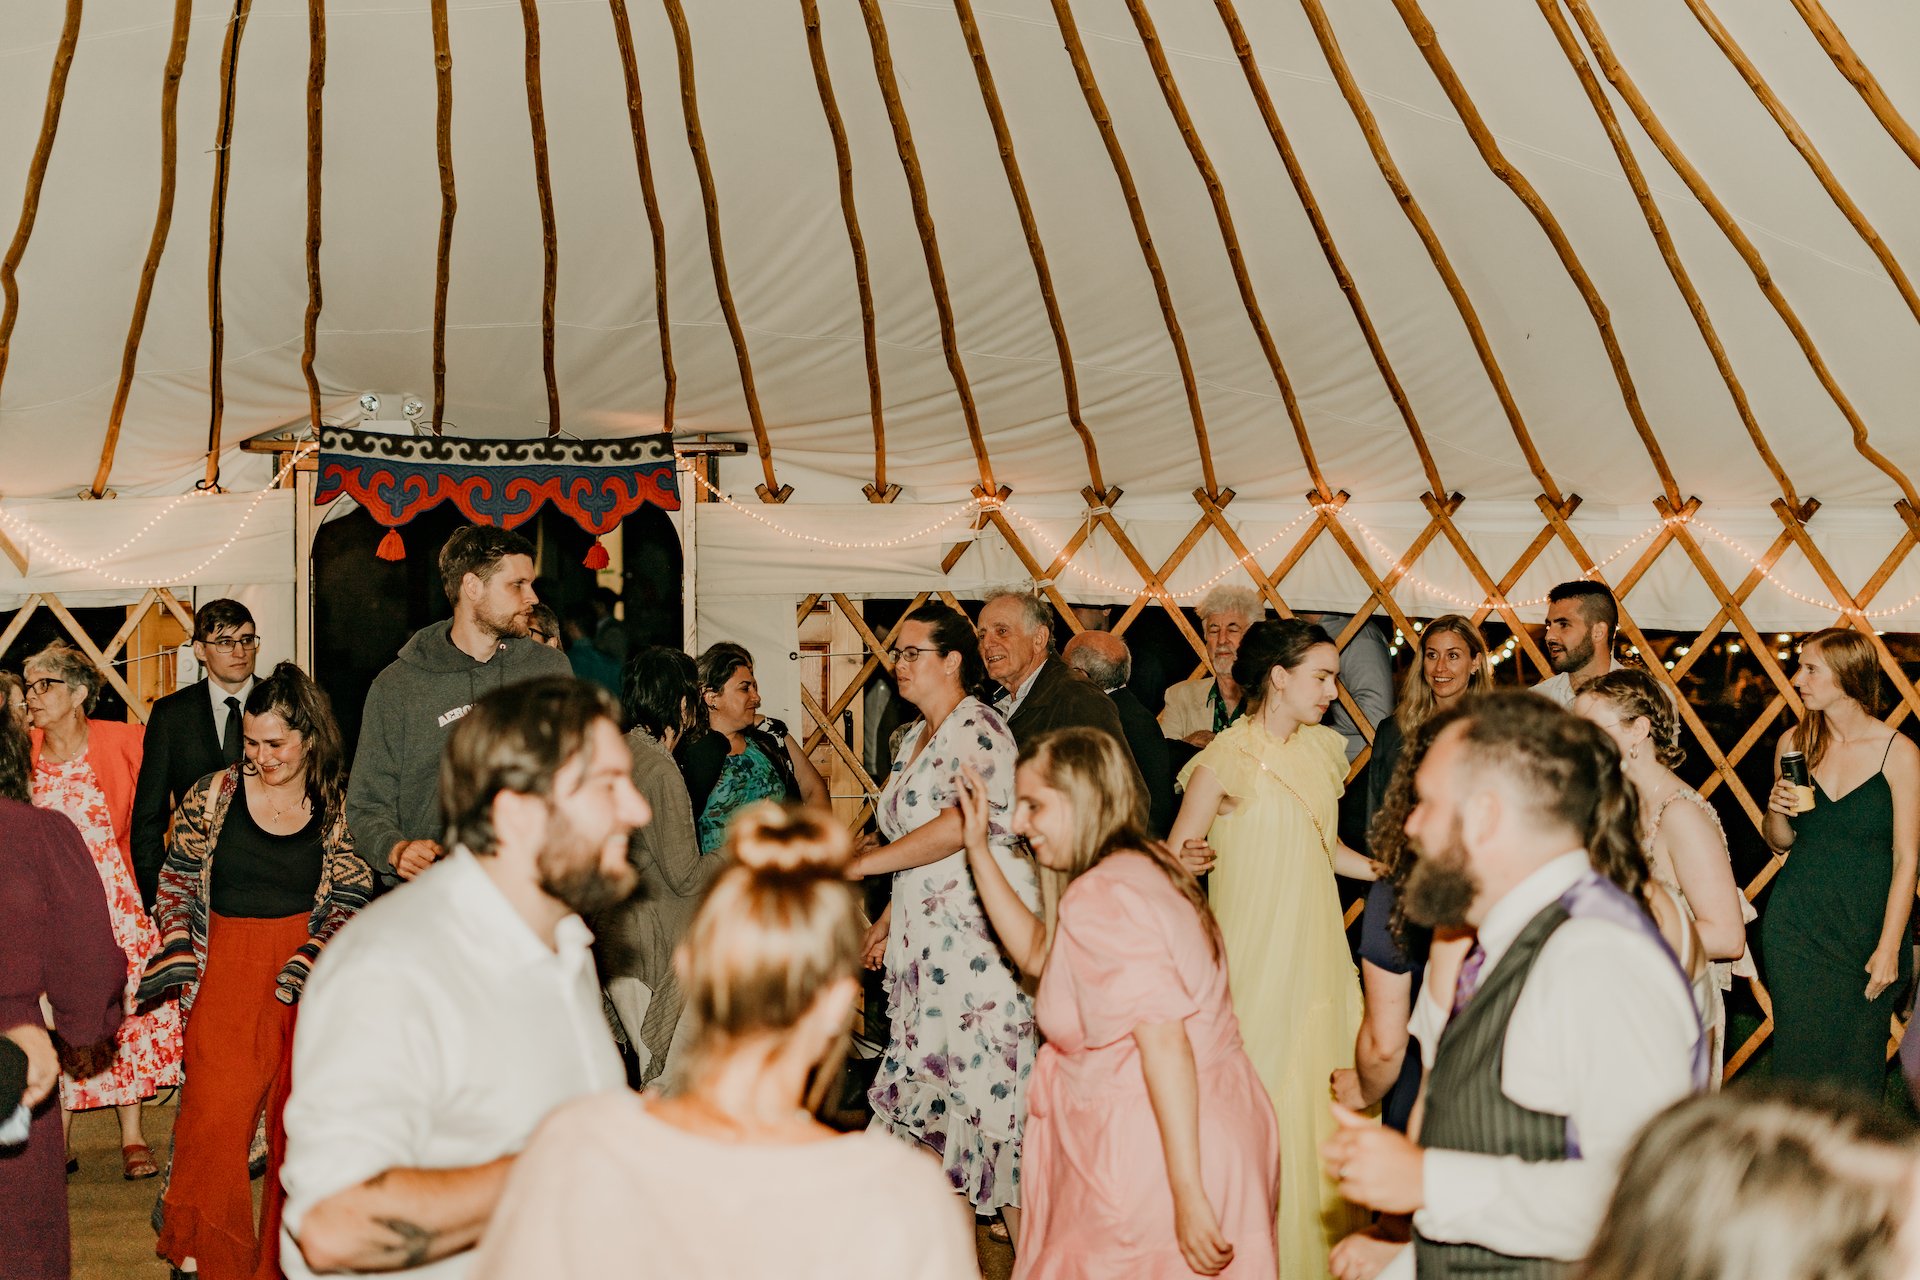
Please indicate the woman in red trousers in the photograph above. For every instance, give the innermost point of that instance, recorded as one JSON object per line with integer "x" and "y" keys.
{"x": 260, "y": 872}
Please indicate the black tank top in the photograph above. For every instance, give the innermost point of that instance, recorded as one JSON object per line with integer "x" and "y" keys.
{"x": 261, "y": 876}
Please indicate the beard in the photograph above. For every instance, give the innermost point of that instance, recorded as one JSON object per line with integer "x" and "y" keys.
{"x": 571, "y": 871}
{"x": 1441, "y": 888}
{"x": 1574, "y": 657}
{"x": 506, "y": 624}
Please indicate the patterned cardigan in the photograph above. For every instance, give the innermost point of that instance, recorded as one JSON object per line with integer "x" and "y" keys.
{"x": 186, "y": 889}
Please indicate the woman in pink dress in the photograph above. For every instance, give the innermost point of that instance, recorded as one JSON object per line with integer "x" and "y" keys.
{"x": 1151, "y": 1147}
{"x": 86, "y": 769}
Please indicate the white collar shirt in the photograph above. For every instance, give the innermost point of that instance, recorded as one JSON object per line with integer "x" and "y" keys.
{"x": 218, "y": 697}
{"x": 1012, "y": 704}
{"x": 1603, "y": 1034}
{"x": 436, "y": 1032}
{"x": 1559, "y": 688}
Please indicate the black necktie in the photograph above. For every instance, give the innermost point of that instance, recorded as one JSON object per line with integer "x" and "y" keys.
{"x": 230, "y": 744}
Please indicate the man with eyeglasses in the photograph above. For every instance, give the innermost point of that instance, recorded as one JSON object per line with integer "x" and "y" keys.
{"x": 194, "y": 731}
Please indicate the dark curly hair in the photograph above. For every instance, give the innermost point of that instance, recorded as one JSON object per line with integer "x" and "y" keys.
{"x": 291, "y": 694}
{"x": 1387, "y": 830}
{"x": 16, "y": 759}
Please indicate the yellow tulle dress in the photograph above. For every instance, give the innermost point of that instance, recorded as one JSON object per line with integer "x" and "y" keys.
{"x": 1294, "y": 986}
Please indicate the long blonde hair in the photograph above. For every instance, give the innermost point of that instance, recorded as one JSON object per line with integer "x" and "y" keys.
{"x": 1850, "y": 657}
{"x": 1416, "y": 695}
{"x": 1092, "y": 770}
{"x": 777, "y": 928}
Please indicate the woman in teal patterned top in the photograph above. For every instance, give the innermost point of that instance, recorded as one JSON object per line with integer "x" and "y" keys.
{"x": 740, "y": 759}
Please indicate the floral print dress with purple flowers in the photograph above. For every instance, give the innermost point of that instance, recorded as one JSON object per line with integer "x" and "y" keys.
{"x": 963, "y": 1040}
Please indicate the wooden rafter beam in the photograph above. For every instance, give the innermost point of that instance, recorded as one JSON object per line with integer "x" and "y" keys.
{"x": 1835, "y": 42}
{"x": 770, "y": 489}
{"x": 1669, "y": 252}
{"x": 1123, "y": 172}
{"x": 1296, "y": 174}
{"x": 316, "y": 83}
{"x": 549, "y": 231}
{"x": 1736, "y": 236}
{"x": 217, "y": 238}
{"x": 1356, "y": 101}
{"x": 449, "y": 204}
{"x": 650, "y": 199}
{"x": 1030, "y": 228}
{"x": 1428, "y": 42}
{"x": 879, "y": 490}
{"x": 929, "y": 239}
{"x": 36, "y": 179}
{"x": 1230, "y": 238}
{"x": 157, "y": 243}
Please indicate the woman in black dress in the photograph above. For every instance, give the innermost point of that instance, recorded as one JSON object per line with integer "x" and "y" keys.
{"x": 1835, "y": 931}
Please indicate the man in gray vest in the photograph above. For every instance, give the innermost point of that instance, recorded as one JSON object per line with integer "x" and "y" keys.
{"x": 1564, "y": 1027}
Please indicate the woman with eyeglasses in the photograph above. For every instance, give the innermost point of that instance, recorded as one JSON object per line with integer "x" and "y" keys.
{"x": 87, "y": 769}
{"x": 961, "y": 1042}
{"x": 260, "y": 873}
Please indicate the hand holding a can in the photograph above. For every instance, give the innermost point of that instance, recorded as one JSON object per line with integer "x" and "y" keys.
{"x": 1792, "y": 793}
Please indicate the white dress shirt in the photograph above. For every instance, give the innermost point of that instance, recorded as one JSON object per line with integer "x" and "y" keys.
{"x": 1559, "y": 688}
{"x": 436, "y": 1032}
{"x": 1603, "y": 1033}
{"x": 219, "y": 696}
{"x": 1012, "y": 704}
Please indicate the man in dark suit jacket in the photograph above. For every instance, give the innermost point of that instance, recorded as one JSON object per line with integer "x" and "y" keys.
{"x": 194, "y": 731}
{"x": 1104, "y": 660}
{"x": 1042, "y": 692}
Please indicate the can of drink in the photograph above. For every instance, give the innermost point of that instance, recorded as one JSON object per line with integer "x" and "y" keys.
{"x": 1793, "y": 767}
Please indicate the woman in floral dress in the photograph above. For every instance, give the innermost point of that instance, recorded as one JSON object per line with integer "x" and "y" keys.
{"x": 962, "y": 1041}
{"x": 86, "y": 769}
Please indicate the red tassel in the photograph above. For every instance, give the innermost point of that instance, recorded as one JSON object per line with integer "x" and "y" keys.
{"x": 597, "y": 558}
{"x": 391, "y": 548}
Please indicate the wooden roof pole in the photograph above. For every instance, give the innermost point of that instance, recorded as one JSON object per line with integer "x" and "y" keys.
{"x": 1030, "y": 227}
{"x": 1256, "y": 82}
{"x": 929, "y": 243}
{"x": 1736, "y": 236}
{"x": 449, "y": 204}
{"x": 1789, "y": 126}
{"x": 316, "y": 82}
{"x": 36, "y": 179}
{"x": 656, "y": 226}
{"x": 770, "y": 490}
{"x": 1223, "y": 218}
{"x": 1669, "y": 253}
{"x": 1428, "y": 42}
{"x": 157, "y": 243}
{"x": 1442, "y": 263}
{"x": 217, "y": 240}
{"x": 879, "y": 490}
{"x": 1834, "y": 41}
{"x": 549, "y": 233}
{"x": 1103, "y": 120}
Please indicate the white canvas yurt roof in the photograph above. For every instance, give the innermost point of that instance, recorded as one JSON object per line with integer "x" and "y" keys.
{"x": 1498, "y": 248}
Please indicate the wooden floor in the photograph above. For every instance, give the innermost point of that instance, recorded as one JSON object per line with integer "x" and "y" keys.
{"x": 112, "y": 1234}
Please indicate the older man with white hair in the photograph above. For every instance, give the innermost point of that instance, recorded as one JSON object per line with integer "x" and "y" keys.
{"x": 1042, "y": 692}
{"x": 1197, "y": 709}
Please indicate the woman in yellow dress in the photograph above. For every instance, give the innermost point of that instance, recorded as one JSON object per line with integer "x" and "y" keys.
{"x": 1264, "y": 796}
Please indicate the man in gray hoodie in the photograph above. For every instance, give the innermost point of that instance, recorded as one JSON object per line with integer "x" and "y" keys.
{"x": 393, "y": 805}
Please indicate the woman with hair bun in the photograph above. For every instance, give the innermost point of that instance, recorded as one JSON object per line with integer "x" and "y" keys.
{"x": 260, "y": 873}
{"x": 961, "y": 1041}
{"x": 732, "y": 1176}
{"x": 1685, "y": 844}
{"x": 1836, "y": 928}
{"x": 1265, "y": 795}
{"x": 1151, "y": 1148}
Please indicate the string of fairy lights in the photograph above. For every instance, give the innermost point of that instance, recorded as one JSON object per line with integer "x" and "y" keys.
{"x": 39, "y": 544}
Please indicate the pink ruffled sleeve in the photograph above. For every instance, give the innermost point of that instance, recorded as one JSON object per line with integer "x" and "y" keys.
{"x": 1120, "y": 938}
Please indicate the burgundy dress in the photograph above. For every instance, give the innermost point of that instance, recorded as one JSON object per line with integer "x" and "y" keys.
{"x": 55, "y": 940}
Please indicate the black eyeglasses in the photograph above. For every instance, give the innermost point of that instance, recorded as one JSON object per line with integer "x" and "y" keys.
{"x": 542, "y": 636}
{"x": 36, "y": 688}
{"x": 912, "y": 653}
{"x": 227, "y": 644}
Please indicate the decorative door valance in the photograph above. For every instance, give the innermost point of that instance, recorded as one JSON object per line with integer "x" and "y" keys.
{"x": 500, "y": 482}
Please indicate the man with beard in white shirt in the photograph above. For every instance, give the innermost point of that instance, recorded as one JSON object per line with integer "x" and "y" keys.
{"x": 1582, "y": 617}
{"x": 1556, "y": 1036}
{"x": 446, "y": 1020}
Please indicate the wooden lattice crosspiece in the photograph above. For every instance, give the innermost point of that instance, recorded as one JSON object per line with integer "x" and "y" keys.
{"x": 104, "y": 658}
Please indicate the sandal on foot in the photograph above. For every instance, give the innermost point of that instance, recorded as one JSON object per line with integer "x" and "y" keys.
{"x": 136, "y": 1162}
{"x": 997, "y": 1230}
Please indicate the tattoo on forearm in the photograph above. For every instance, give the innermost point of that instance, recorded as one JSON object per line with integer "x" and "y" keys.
{"x": 411, "y": 1242}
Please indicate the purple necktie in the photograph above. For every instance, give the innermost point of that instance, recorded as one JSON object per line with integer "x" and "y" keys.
{"x": 1469, "y": 981}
